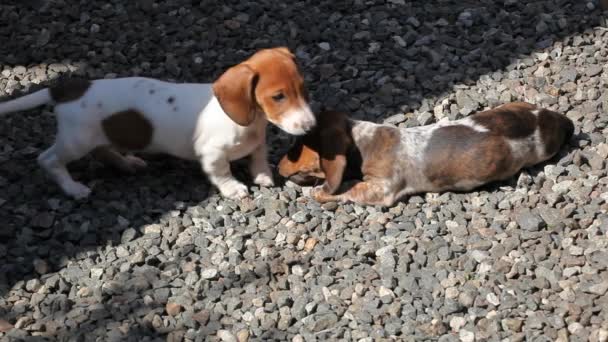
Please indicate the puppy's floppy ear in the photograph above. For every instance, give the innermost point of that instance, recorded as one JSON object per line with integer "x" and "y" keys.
{"x": 235, "y": 91}
{"x": 335, "y": 143}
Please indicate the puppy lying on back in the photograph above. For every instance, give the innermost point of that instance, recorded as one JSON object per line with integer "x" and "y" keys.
{"x": 391, "y": 162}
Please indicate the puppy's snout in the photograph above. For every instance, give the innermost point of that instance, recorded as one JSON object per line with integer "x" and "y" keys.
{"x": 309, "y": 124}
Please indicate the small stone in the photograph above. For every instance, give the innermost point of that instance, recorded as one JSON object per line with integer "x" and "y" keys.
{"x": 33, "y": 285}
{"x": 5, "y": 326}
{"x": 575, "y": 327}
{"x": 173, "y": 309}
{"x": 301, "y": 217}
{"x": 598, "y": 289}
{"x": 209, "y": 273}
{"x": 43, "y": 220}
{"x": 511, "y": 324}
{"x": 201, "y": 317}
{"x": 128, "y": 235}
{"x": 325, "y": 46}
{"x": 593, "y": 70}
{"x": 310, "y": 244}
{"x": 94, "y": 28}
{"x": 395, "y": 119}
{"x": 466, "y": 336}
{"x": 242, "y": 335}
{"x": 413, "y": 21}
{"x": 152, "y": 229}
{"x": 457, "y": 322}
{"x": 528, "y": 220}
{"x": 492, "y": 299}
{"x": 41, "y": 266}
{"x": 562, "y": 187}
{"x": 425, "y": 118}
{"x": 542, "y": 27}
{"x": 226, "y": 336}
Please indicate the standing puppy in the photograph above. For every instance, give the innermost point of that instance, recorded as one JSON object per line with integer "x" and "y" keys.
{"x": 390, "y": 162}
{"x": 212, "y": 123}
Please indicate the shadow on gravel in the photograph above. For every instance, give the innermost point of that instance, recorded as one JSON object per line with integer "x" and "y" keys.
{"x": 373, "y": 58}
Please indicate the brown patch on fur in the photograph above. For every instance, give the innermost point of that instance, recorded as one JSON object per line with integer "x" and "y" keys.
{"x": 512, "y": 120}
{"x": 380, "y": 152}
{"x": 128, "y": 130}
{"x": 69, "y": 90}
{"x": 235, "y": 93}
{"x": 459, "y": 153}
{"x": 555, "y": 130}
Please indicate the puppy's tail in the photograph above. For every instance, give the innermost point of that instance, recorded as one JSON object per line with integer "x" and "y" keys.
{"x": 33, "y": 100}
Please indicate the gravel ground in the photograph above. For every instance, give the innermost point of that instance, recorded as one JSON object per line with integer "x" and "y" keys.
{"x": 160, "y": 256}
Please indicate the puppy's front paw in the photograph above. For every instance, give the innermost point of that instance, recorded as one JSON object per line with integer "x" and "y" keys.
{"x": 77, "y": 190}
{"x": 264, "y": 180}
{"x": 234, "y": 190}
{"x": 319, "y": 195}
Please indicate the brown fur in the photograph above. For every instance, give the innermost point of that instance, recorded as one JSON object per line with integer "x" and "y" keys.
{"x": 379, "y": 153}
{"x": 235, "y": 92}
{"x": 513, "y": 120}
{"x": 129, "y": 130}
{"x": 455, "y": 157}
{"x": 459, "y": 153}
{"x": 69, "y": 90}
{"x": 322, "y": 152}
{"x": 252, "y": 85}
{"x": 555, "y": 130}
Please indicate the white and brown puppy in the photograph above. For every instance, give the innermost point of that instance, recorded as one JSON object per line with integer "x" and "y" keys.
{"x": 390, "y": 162}
{"x": 212, "y": 123}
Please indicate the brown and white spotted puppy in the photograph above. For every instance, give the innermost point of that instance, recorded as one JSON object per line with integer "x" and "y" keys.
{"x": 213, "y": 123}
{"x": 387, "y": 162}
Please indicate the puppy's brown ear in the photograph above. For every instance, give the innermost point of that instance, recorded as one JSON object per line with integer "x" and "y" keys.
{"x": 235, "y": 91}
{"x": 334, "y": 145}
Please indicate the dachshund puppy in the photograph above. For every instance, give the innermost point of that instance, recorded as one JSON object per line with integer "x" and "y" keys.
{"x": 213, "y": 123}
{"x": 389, "y": 162}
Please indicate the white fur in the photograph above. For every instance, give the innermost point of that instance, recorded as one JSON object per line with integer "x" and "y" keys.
{"x": 192, "y": 126}
{"x": 297, "y": 121}
{"x": 26, "y": 102}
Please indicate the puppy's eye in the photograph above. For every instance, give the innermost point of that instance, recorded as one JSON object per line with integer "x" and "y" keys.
{"x": 278, "y": 97}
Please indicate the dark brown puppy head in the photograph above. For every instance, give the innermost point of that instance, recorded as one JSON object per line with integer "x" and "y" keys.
{"x": 269, "y": 82}
{"x": 320, "y": 154}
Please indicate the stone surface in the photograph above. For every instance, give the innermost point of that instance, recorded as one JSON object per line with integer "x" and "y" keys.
{"x": 161, "y": 256}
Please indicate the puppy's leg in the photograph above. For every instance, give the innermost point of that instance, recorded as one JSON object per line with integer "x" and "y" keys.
{"x": 365, "y": 192}
{"x": 217, "y": 167}
{"x": 54, "y": 161}
{"x": 110, "y": 156}
{"x": 259, "y": 168}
